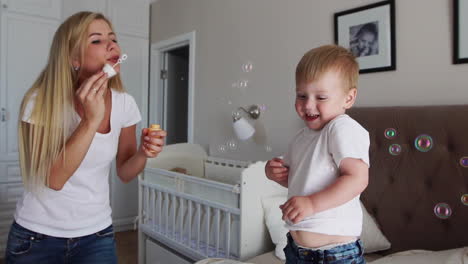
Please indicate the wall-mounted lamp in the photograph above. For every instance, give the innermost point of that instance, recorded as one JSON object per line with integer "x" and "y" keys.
{"x": 243, "y": 129}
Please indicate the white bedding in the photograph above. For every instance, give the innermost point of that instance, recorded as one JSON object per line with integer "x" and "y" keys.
{"x": 452, "y": 256}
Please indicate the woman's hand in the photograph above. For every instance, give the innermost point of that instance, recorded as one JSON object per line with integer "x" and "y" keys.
{"x": 91, "y": 98}
{"x": 151, "y": 142}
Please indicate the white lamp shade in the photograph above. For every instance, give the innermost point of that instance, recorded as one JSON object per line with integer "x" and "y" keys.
{"x": 243, "y": 129}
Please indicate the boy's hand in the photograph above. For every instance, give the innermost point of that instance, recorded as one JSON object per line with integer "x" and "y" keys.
{"x": 275, "y": 170}
{"x": 297, "y": 208}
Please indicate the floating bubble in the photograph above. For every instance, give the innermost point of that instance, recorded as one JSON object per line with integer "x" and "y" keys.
{"x": 390, "y": 133}
{"x": 423, "y": 143}
{"x": 263, "y": 107}
{"x": 232, "y": 144}
{"x": 394, "y": 149}
{"x": 464, "y": 162}
{"x": 464, "y": 199}
{"x": 224, "y": 100}
{"x": 247, "y": 67}
{"x": 222, "y": 148}
{"x": 242, "y": 84}
{"x": 236, "y": 115}
{"x": 442, "y": 210}
{"x": 268, "y": 148}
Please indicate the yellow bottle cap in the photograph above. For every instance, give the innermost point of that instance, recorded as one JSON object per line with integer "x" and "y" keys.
{"x": 155, "y": 126}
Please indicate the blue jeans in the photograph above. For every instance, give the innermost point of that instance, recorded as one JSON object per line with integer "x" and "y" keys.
{"x": 345, "y": 254}
{"x": 26, "y": 246}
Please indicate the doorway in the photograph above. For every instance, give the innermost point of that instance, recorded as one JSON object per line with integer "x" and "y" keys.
{"x": 171, "y": 87}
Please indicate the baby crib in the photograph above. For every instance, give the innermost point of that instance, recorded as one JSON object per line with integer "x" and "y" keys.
{"x": 214, "y": 212}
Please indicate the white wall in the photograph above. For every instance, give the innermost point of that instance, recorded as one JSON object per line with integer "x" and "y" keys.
{"x": 274, "y": 34}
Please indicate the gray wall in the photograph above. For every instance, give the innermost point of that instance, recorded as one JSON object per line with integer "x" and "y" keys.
{"x": 273, "y": 35}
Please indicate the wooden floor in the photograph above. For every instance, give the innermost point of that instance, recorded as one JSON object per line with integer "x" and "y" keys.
{"x": 127, "y": 247}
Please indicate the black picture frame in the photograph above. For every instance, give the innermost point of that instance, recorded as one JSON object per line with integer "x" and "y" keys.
{"x": 354, "y": 28}
{"x": 460, "y": 35}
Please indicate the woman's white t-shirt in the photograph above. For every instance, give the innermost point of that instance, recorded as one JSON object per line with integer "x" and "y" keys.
{"x": 82, "y": 206}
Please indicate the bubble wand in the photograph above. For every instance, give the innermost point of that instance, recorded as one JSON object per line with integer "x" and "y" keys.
{"x": 109, "y": 70}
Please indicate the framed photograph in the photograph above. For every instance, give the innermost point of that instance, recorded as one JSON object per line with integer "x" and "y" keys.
{"x": 460, "y": 31}
{"x": 369, "y": 33}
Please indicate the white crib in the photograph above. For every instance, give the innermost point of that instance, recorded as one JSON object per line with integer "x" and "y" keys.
{"x": 215, "y": 212}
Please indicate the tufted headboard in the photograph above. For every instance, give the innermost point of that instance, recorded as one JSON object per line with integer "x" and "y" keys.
{"x": 404, "y": 189}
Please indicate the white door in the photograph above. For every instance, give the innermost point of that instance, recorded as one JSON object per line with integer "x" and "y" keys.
{"x": 26, "y": 31}
{"x": 25, "y": 44}
{"x": 43, "y": 8}
{"x": 71, "y": 7}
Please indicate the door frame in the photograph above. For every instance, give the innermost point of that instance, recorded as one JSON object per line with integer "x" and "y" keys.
{"x": 156, "y": 83}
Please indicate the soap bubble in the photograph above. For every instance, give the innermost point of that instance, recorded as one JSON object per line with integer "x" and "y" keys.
{"x": 236, "y": 115}
{"x": 268, "y": 148}
{"x": 224, "y": 101}
{"x": 262, "y": 107}
{"x": 232, "y": 144}
{"x": 442, "y": 210}
{"x": 242, "y": 84}
{"x": 247, "y": 67}
{"x": 394, "y": 149}
{"x": 222, "y": 148}
{"x": 390, "y": 133}
{"x": 464, "y": 162}
{"x": 464, "y": 199}
{"x": 423, "y": 143}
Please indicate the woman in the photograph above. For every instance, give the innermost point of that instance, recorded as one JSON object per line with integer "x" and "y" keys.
{"x": 74, "y": 121}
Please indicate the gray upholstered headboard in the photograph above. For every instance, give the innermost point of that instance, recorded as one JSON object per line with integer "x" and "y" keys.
{"x": 404, "y": 189}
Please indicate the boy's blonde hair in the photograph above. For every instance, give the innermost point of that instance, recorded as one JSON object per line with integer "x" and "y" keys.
{"x": 320, "y": 60}
{"x": 42, "y": 140}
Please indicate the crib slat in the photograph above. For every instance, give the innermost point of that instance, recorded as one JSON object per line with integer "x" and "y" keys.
{"x": 146, "y": 215}
{"x": 159, "y": 212}
{"x": 166, "y": 213}
{"x": 208, "y": 218}
{"x": 189, "y": 223}
{"x": 217, "y": 231}
{"x": 174, "y": 206}
{"x": 153, "y": 208}
{"x": 143, "y": 205}
{"x": 181, "y": 220}
{"x": 228, "y": 234}
{"x": 198, "y": 225}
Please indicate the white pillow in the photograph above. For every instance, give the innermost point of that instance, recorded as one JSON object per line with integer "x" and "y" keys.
{"x": 373, "y": 239}
{"x": 275, "y": 224}
{"x": 371, "y": 235}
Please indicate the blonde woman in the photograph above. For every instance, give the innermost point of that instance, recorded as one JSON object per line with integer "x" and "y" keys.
{"x": 74, "y": 121}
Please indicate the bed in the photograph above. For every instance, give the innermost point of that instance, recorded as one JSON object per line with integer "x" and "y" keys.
{"x": 418, "y": 179}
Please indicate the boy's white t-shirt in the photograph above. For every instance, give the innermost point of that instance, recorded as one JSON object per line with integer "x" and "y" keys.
{"x": 314, "y": 158}
{"x": 82, "y": 206}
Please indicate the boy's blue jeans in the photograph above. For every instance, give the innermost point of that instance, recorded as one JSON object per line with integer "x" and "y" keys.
{"x": 351, "y": 253}
{"x": 26, "y": 246}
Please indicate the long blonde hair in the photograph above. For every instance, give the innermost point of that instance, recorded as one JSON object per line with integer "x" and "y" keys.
{"x": 42, "y": 138}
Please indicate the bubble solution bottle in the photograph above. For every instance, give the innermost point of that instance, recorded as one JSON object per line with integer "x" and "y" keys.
{"x": 152, "y": 128}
